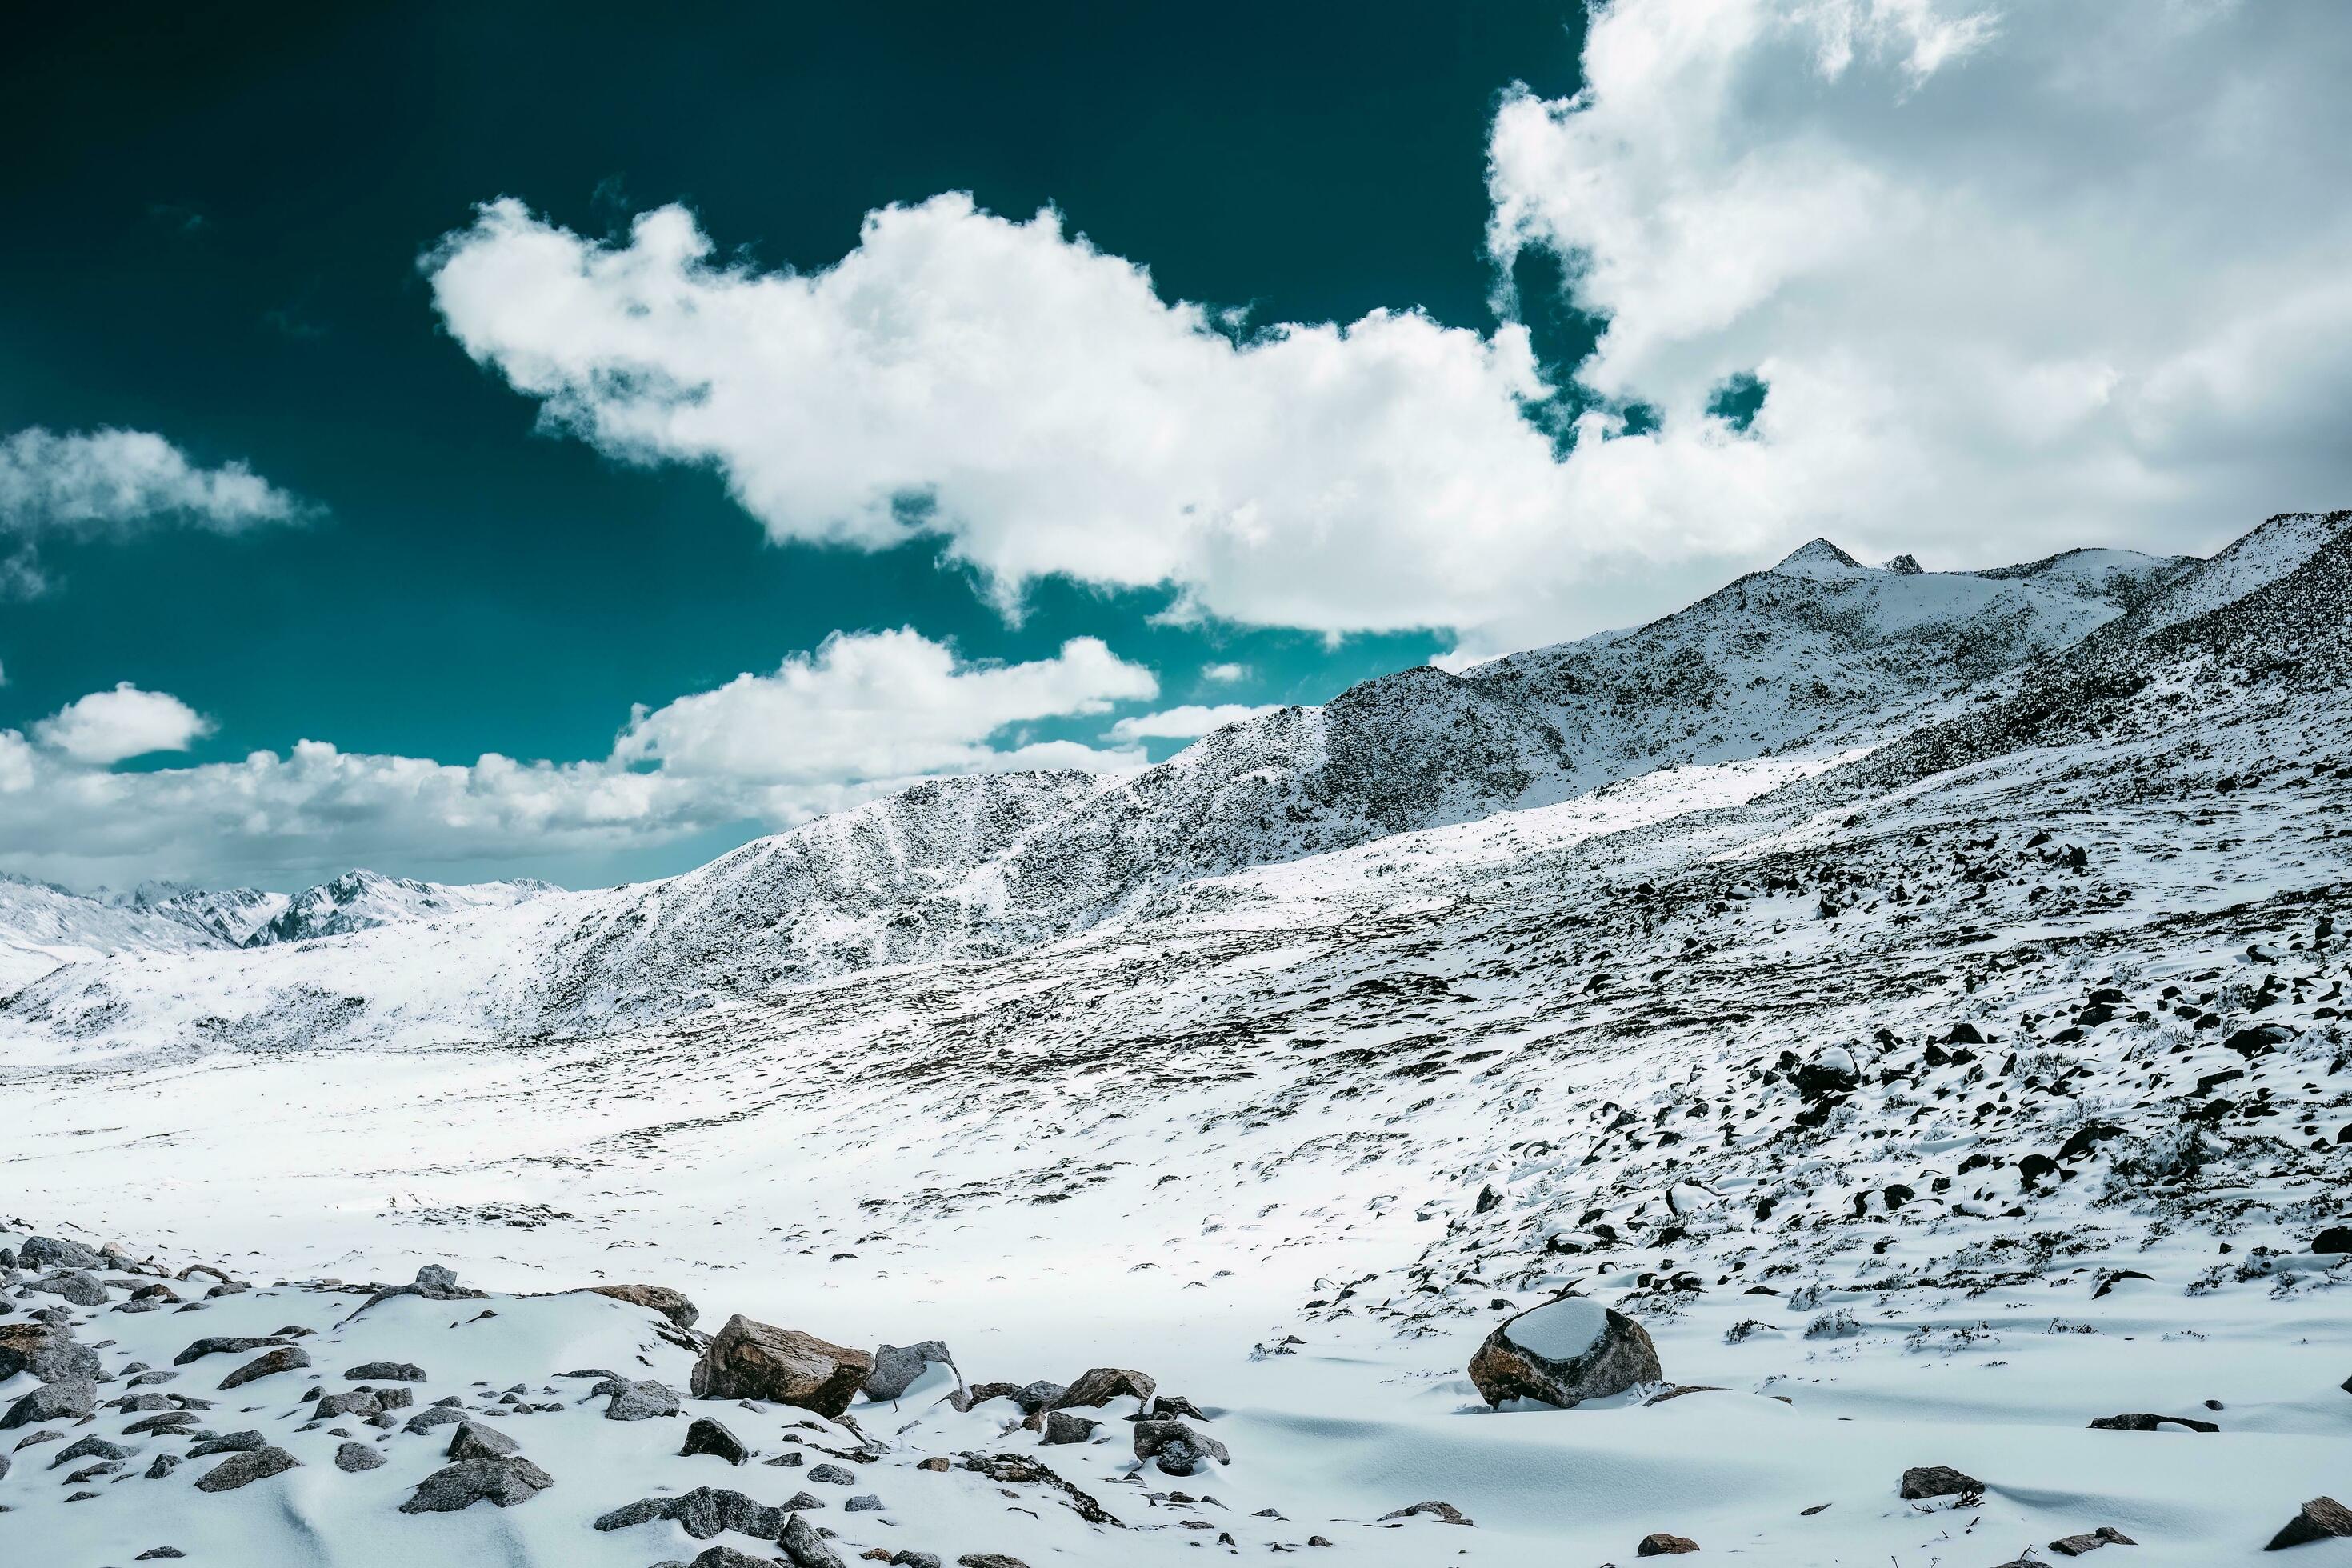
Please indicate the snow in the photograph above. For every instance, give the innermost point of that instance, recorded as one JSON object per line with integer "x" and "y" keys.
{"x": 1561, "y": 1331}
{"x": 956, "y": 1065}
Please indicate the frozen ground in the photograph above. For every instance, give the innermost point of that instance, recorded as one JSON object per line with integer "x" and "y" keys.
{"x": 1927, "y": 1096}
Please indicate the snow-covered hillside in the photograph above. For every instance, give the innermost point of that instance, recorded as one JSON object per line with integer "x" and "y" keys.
{"x": 1956, "y": 1094}
{"x": 1818, "y": 655}
{"x": 362, "y": 900}
{"x": 43, "y": 926}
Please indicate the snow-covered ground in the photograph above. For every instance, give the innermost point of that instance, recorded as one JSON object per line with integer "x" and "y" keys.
{"x": 1923, "y": 1114}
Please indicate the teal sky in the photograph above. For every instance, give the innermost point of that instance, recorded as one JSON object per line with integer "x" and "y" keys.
{"x": 611, "y": 357}
{"x": 220, "y": 240}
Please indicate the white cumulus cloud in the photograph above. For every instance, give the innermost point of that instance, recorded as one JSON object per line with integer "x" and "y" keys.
{"x": 111, "y": 484}
{"x": 863, "y": 715}
{"x": 1186, "y": 722}
{"x": 106, "y": 727}
{"x": 2016, "y": 277}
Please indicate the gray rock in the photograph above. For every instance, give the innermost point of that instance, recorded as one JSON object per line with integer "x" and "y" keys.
{"x": 728, "y": 1557}
{"x": 914, "y": 1559}
{"x": 91, "y": 1446}
{"x": 154, "y": 1551}
{"x": 1060, "y": 1426}
{"x": 162, "y": 1465}
{"x": 706, "y": 1510}
{"x": 833, "y": 1474}
{"x": 506, "y": 1481}
{"x": 218, "y": 1344}
{"x": 989, "y": 1560}
{"x": 51, "y": 1402}
{"x": 1176, "y": 1449}
{"x": 641, "y": 1402}
{"x": 285, "y": 1358}
{"x": 244, "y": 1470}
{"x": 432, "y": 1415}
{"x": 708, "y": 1437}
{"x": 233, "y": 1442}
{"x": 869, "y": 1503}
{"x": 1923, "y": 1481}
{"x": 896, "y": 1368}
{"x": 54, "y": 1252}
{"x": 805, "y": 1547}
{"x": 2091, "y": 1541}
{"x": 1563, "y": 1352}
{"x": 386, "y": 1371}
{"x": 353, "y": 1402}
{"x": 81, "y": 1288}
{"x": 645, "y": 1510}
{"x": 1445, "y": 1511}
{"x": 48, "y": 1351}
{"x": 474, "y": 1441}
{"x": 357, "y": 1457}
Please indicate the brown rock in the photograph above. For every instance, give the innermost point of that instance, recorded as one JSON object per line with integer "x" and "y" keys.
{"x": 671, "y": 1304}
{"x": 2321, "y": 1518}
{"x": 1658, "y": 1543}
{"x": 749, "y": 1360}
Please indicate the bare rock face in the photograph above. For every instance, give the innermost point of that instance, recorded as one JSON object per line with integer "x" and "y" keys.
{"x": 671, "y": 1304}
{"x": 749, "y": 1359}
{"x": 1563, "y": 1352}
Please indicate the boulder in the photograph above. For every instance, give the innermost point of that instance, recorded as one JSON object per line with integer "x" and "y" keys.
{"x": 506, "y": 1481}
{"x": 2334, "y": 1238}
{"x": 805, "y": 1547}
{"x": 749, "y": 1360}
{"x": 896, "y": 1368}
{"x": 728, "y": 1557}
{"x": 244, "y": 1470}
{"x": 1060, "y": 1426}
{"x": 51, "y": 1402}
{"x": 671, "y": 1304}
{"x": 285, "y": 1358}
{"x": 1658, "y": 1543}
{"x": 708, "y": 1437}
{"x": 1565, "y": 1350}
{"x": 1923, "y": 1481}
{"x": 55, "y": 1252}
{"x": 833, "y": 1474}
{"x": 2321, "y": 1518}
{"x": 81, "y": 1288}
{"x": 356, "y": 1456}
{"x": 48, "y": 1351}
{"x": 472, "y": 1441}
{"x": 2091, "y": 1541}
{"x": 641, "y": 1402}
{"x": 386, "y": 1371}
{"x": 1099, "y": 1386}
{"x": 2144, "y": 1422}
{"x": 1177, "y": 1449}
{"x": 1443, "y": 1511}
{"x": 218, "y": 1344}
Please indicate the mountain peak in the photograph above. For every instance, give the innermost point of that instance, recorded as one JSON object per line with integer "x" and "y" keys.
{"x": 1817, "y": 558}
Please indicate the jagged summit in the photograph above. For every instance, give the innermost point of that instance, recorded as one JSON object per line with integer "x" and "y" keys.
{"x": 1904, "y": 565}
{"x": 1817, "y": 558}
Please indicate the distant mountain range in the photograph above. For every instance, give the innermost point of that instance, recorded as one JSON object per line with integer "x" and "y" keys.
{"x": 43, "y": 926}
{"x": 1870, "y": 673}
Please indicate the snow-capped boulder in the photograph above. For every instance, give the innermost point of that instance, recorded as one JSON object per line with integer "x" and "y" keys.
{"x": 1177, "y": 1449}
{"x": 1563, "y": 1352}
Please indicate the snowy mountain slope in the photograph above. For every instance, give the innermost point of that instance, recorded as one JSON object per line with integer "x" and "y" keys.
{"x": 43, "y": 926}
{"x": 1818, "y": 655}
{"x": 361, "y": 900}
{"x": 236, "y": 915}
{"x": 2010, "y": 1099}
